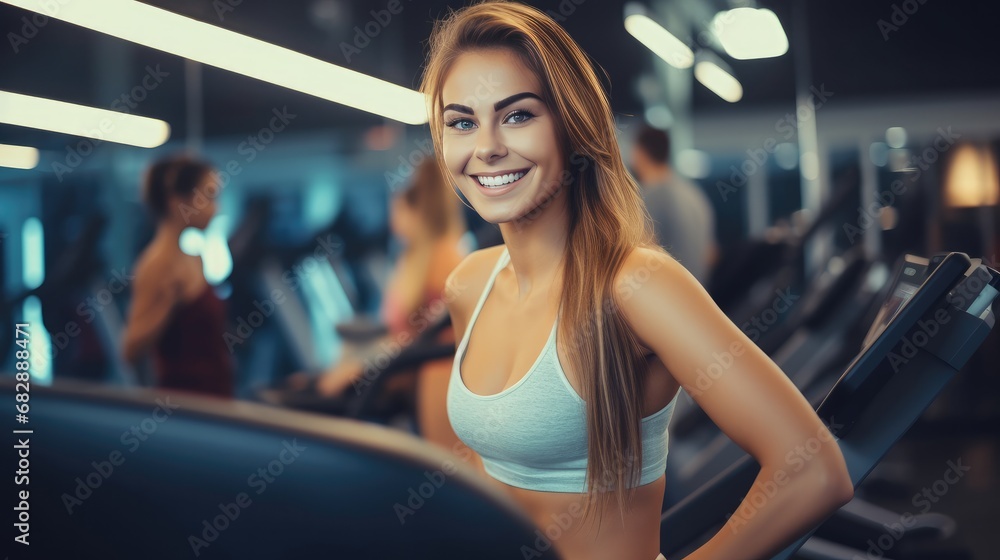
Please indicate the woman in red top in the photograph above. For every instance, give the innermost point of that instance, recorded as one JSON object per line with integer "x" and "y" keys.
{"x": 427, "y": 219}
{"x": 175, "y": 314}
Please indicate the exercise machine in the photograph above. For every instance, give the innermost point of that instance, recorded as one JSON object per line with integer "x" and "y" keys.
{"x": 918, "y": 345}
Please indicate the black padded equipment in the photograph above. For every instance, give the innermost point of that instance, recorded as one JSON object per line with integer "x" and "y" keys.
{"x": 337, "y": 489}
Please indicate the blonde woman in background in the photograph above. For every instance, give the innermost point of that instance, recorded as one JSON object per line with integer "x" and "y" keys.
{"x": 427, "y": 219}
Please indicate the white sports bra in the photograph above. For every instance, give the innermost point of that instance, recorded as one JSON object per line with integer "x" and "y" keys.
{"x": 533, "y": 434}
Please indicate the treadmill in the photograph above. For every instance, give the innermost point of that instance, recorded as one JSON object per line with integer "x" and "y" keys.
{"x": 923, "y": 335}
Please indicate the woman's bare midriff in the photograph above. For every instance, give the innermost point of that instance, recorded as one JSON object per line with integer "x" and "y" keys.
{"x": 560, "y": 522}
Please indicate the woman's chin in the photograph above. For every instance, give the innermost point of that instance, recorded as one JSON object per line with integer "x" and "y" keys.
{"x": 496, "y": 217}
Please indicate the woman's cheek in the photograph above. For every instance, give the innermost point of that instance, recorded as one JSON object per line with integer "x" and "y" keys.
{"x": 456, "y": 158}
{"x": 451, "y": 159}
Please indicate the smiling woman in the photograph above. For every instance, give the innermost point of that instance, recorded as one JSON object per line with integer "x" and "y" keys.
{"x": 577, "y": 333}
{"x": 518, "y": 130}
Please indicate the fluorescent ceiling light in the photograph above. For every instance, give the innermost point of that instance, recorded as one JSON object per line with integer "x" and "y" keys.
{"x": 786, "y": 155}
{"x": 80, "y": 120}
{"x": 659, "y": 40}
{"x": 32, "y": 253}
{"x": 748, "y": 33}
{"x": 201, "y": 42}
{"x": 878, "y": 152}
{"x": 719, "y": 81}
{"x": 18, "y": 157}
{"x": 895, "y": 136}
{"x": 659, "y": 116}
{"x": 695, "y": 164}
{"x": 809, "y": 165}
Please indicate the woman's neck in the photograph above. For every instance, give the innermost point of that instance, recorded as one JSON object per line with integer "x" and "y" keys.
{"x": 537, "y": 245}
{"x": 169, "y": 233}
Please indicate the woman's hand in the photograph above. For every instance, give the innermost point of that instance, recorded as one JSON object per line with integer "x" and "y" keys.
{"x": 336, "y": 380}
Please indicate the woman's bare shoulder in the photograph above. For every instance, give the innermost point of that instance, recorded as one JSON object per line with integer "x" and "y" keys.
{"x": 155, "y": 268}
{"x": 469, "y": 277}
{"x": 643, "y": 264}
{"x": 643, "y": 267}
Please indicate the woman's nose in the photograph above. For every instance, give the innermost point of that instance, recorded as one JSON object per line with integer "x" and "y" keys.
{"x": 489, "y": 145}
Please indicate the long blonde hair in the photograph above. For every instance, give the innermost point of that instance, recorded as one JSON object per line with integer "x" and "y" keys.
{"x": 430, "y": 197}
{"x": 607, "y": 221}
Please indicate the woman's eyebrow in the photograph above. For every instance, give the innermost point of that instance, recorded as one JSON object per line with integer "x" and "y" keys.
{"x": 496, "y": 106}
{"x": 514, "y": 98}
{"x": 459, "y": 108}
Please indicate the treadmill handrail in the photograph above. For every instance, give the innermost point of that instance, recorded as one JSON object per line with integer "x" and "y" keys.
{"x": 423, "y": 348}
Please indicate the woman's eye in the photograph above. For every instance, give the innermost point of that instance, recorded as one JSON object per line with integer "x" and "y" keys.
{"x": 518, "y": 117}
{"x": 460, "y": 124}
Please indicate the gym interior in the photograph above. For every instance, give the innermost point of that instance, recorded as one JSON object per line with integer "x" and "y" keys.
{"x": 227, "y": 244}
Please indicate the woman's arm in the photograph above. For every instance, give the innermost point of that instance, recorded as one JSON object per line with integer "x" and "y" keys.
{"x": 803, "y": 477}
{"x": 154, "y": 294}
{"x": 406, "y": 287}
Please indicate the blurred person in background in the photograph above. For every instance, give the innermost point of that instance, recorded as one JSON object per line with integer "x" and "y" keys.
{"x": 682, "y": 215}
{"x": 427, "y": 220}
{"x": 175, "y": 315}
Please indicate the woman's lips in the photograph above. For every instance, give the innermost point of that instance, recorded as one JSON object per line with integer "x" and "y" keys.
{"x": 503, "y": 189}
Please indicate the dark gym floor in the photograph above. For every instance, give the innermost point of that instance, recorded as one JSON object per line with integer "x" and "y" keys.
{"x": 921, "y": 475}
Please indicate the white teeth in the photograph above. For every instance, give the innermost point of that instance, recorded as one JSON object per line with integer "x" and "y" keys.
{"x": 499, "y": 180}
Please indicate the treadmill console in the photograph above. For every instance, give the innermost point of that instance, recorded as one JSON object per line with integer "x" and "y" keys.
{"x": 907, "y": 280}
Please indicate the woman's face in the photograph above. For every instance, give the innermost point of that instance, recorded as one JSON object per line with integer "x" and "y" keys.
{"x": 200, "y": 206}
{"x": 500, "y": 141}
